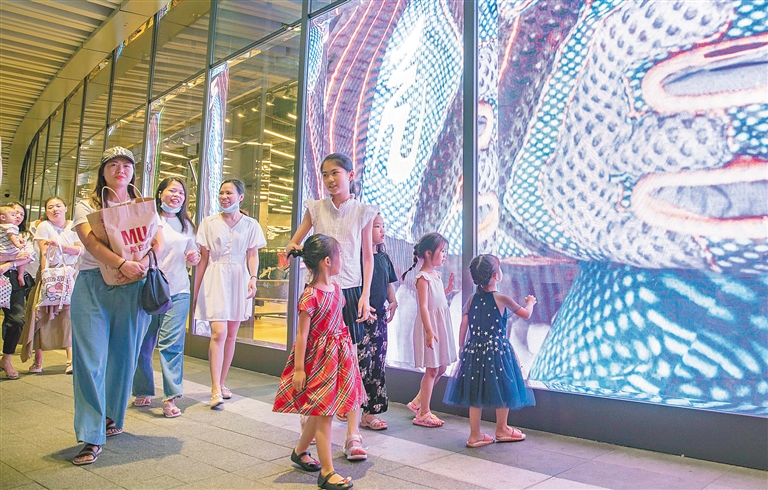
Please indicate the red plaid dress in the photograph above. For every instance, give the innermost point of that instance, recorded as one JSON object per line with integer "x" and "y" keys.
{"x": 333, "y": 377}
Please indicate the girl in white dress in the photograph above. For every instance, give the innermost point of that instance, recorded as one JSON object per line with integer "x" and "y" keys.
{"x": 433, "y": 342}
{"x": 350, "y": 222}
{"x": 225, "y": 279}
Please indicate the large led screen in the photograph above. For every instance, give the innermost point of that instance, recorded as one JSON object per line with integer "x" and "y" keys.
{"x": 622, "y": 177}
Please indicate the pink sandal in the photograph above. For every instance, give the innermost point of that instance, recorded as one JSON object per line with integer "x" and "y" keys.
{"x": 413, "y": 407}
{"x": 353, "y": 448}
{"x": 428, "y": 420}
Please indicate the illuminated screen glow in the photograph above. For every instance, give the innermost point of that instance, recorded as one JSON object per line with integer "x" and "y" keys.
{"x": 622, "y": 178}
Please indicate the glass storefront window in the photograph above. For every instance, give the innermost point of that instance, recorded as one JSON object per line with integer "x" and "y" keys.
{"x": 173, "y": 139}
{"x": 394, "y": 105}
{"x": 132, "y": 59}
{"x": 90, "y": 158}
{"x": 69, "y": 144}
{"x": 96, "y": 99}
{"x": 241, "y": 22}
{"x": 254, "y": 124}
{"x": 37, "y": 173}
{"x": 50, "y": 176}
{"x": 128, "y": 132}
{"x": 182, "y": 43}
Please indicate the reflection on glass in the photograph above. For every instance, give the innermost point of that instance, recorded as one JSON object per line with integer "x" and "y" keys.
{"x": 173, "y": 138}
{"x": 391, "y": 99}
{"x": 128, "y": 132}
{"x": 33, "y": 172}
{"x": 90, "y": 158}
{"x": 132, "y": 58}
{"x": 651, "y": 282}
{"x": 253, "y": 130}
{"x": 96, "y": 98}
{"x": 316, "y": 5}
{"x": 182, "y": 43}
{"x": 242, "y": 22}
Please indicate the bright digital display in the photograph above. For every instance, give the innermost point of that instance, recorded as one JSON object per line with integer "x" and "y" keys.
{"x": 622, "y": 177}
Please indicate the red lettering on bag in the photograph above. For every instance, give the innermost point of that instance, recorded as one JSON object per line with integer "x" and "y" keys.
{"x": 134, "y": 235}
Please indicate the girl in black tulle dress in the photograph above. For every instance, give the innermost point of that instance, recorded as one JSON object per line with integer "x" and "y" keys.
{"x": 489, "y": 375}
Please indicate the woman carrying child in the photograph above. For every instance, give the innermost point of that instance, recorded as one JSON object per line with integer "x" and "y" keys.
{"x": 489, "y": 375}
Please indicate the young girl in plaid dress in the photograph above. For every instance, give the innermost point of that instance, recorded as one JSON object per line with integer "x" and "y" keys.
{"x": 321, "y": 377}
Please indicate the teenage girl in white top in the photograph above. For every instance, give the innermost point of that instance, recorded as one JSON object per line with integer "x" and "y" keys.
{"x": 349, "y": 221}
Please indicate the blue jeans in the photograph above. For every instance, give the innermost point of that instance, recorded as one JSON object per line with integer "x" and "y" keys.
{"x": 168, "y": 331}
{"x": 108, "y": 325}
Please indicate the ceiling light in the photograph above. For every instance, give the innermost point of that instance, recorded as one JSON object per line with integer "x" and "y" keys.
{"x": 168, "y": 153}
{"x": 286, "y": 155}
{"x": 288, "y": 138}
{"x": 292, "y": 116}
{"x": 234, "y": 142}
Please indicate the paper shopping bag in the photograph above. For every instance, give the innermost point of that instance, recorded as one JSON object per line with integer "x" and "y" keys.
{"x": 128, "y": 230}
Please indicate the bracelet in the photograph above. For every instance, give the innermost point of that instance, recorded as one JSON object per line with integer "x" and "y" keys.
{"x": 122, "y": 264}
{"x": 254, "y": 277}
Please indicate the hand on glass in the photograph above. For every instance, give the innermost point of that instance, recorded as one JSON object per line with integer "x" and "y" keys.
{"x": 450, "y": 282}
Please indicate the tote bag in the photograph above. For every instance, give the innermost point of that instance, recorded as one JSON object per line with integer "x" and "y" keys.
{"x": 128, "y": 230}
{"x": 5, "y": 292}
{"x": 56, "y": 281}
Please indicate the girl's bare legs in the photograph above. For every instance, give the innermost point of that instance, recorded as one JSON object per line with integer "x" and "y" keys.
{"x": 216, "y": 354}
{"x": 475, "y": 413}
{"x": 428, "y": 382}
{"x": 353, "y": 422}
{"x": 69, "y": 354}
{"x": 307, "y": 434}
{"x": 229, "y": 350}
{"x": 323, "y": 436}
{"x": 502, "y": 429}
{"x": 39, "y": 357}
{"x": 417, "y": 399}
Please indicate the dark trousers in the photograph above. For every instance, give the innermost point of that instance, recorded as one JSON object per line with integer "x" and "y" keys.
{"x": 13, "y": 317}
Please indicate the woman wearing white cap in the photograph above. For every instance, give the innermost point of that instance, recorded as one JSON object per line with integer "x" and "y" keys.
{"x": 108, "y": 323}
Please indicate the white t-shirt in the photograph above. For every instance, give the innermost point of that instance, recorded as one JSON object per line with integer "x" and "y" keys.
{"x": 80, "y": 216}
{"x": 173, "y": 262}
{"x": 63, "y": 236}
{"x": 82, "y": 210}
{"x": 345, "y": 224}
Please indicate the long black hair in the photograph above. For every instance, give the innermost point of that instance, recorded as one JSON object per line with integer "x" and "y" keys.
{"x": 431, "y": 242}
{"x": 316, "y": 248}
{"x": 183, "y": 213}
{"x": 482, "y": 268}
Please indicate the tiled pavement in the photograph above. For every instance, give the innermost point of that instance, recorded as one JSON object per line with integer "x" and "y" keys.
{"x": 247, "y": 446}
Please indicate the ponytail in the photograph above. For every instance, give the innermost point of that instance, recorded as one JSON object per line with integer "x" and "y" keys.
{"x": 415, "y": 261}
{"x": 316, "y": 249}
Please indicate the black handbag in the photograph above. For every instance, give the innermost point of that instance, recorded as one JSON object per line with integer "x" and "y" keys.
{"x": 156, "y": 293}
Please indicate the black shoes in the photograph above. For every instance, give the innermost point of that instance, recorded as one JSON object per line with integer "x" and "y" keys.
{"x": 322, "y": 482}
{"x": 296, "y": 458}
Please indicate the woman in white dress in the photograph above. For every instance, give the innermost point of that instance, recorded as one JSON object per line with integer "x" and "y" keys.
{"x": 225, "y": 279}
{"x": 54, "y": 231}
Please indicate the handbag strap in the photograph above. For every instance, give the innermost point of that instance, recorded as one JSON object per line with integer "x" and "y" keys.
{"x": 50, "y": 253}
{"x": 152, "y": 259}
{"x": 104, "y": 201}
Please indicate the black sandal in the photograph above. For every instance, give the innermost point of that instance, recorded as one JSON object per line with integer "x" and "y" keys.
{"x": 296, "y": 458}
{"x": 322, "y": 482}
{"x": 91, "y": 450}
{"x": 111, "y": 426}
